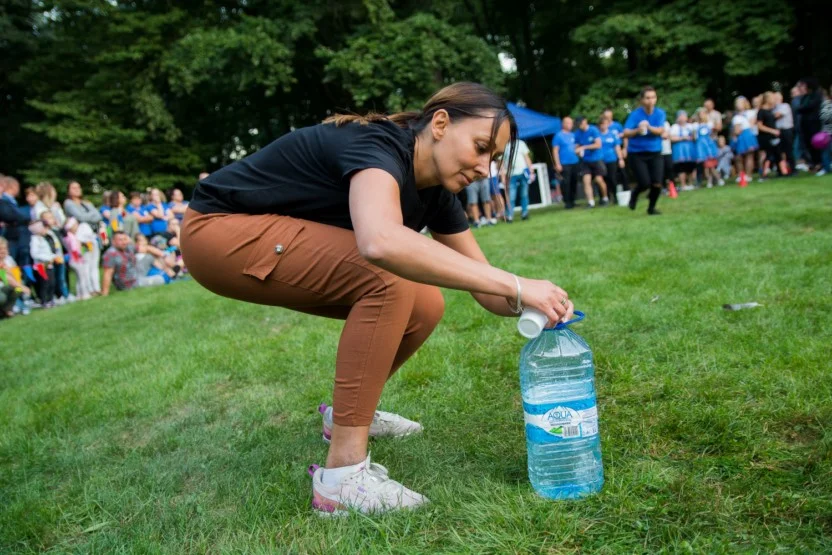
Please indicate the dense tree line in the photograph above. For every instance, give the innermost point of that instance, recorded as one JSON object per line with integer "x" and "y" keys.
{"x": 150, "y": 92}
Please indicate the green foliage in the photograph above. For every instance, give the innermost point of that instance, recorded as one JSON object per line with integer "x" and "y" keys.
{"x": 397, "y": 65}
{"x": 153, "y": 92}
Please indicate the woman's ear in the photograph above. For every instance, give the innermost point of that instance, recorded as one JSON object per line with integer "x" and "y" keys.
{"x": 439, "y": 124}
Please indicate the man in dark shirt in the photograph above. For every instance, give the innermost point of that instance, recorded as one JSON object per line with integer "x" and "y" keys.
{"x": 14, "y": 222}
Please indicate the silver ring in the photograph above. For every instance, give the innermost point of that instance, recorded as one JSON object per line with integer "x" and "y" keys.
{"x": 563, "y": 301}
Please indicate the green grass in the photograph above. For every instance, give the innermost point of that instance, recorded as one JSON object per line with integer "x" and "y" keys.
{"x": 172, "y": 420}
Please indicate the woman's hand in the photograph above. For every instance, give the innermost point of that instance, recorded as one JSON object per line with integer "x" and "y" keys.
{"x": 546, "y": 297}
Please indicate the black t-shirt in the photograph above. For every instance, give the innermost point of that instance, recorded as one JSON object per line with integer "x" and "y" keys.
{"x": 766, "y": 117}
{"x": 306, "y": 174}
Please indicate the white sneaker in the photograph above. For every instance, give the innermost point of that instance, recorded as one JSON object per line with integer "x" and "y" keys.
{"x": 368, "y": 490}
{"x": 385, "y": 424}
{"x": 802, "y": 167}
{"x": 721, "y": 183}
{"x": 820, "y": 173}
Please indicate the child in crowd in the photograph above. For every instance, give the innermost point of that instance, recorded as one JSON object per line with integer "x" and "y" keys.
{"x": 12, "y": 290}
{"x": 43, "y": 262}
{"x": 152, "y": 261}
{"x": 725, "y": 160}
{"x": 79, "y": 241}
{"x": 684, "y": 155}
{"x": 54, "y": 236}
{"x": 706, "y": 151}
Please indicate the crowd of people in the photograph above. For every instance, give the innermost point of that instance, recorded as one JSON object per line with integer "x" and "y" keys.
{"x": 43, "y": 243}
{"x": 764, "y": 136}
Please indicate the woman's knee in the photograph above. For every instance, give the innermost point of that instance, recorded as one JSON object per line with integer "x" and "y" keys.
{"x": 429, "y": 306}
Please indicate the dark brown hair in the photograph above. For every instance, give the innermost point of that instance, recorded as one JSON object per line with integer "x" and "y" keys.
{"x": 645, "y": 90}
{"x": 460, "y": 100}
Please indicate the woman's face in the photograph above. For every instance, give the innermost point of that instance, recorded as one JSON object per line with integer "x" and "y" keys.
{"x": 682, "y": 119}
{"x": 31, "y": 199}
{"x": 176, "y": 195}
{"x": 74, "y": 190}
{"x": 155, "y": 196}
{"x": 463, "y": 149}
{"x": 603, "y": 125}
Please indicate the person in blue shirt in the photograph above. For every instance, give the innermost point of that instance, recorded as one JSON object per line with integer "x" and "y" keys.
{"x": 138, "y": 208}
{"x": 160, "y": 211}
{"x": 644, "y": 129}
{"x": 588, "y": 139}
{"x": 619, "y": 176}
{"x": 610, "y": 153}
{"x": 566, "y": 161}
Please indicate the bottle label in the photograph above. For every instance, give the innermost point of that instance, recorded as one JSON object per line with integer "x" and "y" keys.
{"x": 566, "y": 422}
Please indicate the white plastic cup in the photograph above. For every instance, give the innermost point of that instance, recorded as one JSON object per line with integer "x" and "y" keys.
{"x": 531, "y": 323}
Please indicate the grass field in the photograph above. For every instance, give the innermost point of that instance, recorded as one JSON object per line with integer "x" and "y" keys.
{"x": 172, "y": 420}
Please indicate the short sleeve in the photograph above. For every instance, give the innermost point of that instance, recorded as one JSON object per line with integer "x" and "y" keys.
{"x": 449, "y": 217}
{"x": 370, "y": 147}
{"x": 110, "y": 259}
{"x": 631, "y": 123}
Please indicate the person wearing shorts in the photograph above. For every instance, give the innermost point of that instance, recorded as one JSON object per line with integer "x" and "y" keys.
{"x": 326, "y": 221}
{"x": 588, "y": 139}
{"x": 644, "y": 129}
{"x": 480, "y": 192}
{"x": 566, "y": 161}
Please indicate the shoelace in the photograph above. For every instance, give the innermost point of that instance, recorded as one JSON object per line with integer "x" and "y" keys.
{"x": 379, "y": 476}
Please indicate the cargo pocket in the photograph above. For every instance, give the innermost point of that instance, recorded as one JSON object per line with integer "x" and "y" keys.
{"x": 272, "y": 248}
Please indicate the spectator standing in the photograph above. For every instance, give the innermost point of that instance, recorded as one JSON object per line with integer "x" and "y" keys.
{"x": 566, "y": 161}
{"x": 714, "y": 117}
{"x": 588, "y": 140}
{"x": 800, "y": 154}
{"x": 85, "y": 213}
{"x": 54, "y": 236}
{"x": 159, "y": 210}
{"x": 178, "y": 205}
{"x": 809, "y": 110}
{"x": 141, "y": 212}
{"x": 667, "y": 156}
{"x": 620, "y": 175}
{"x": 644, "y": 129}
{"x": 480, "y": 192}
{"x": 519, "y": 175}
{"x": 745, "y": 142}
{"x": 705, "y": 147}
{"x": 768, "y": 135}
{"x": 784, "y": 122}
{"x": 49, "y": 198}
{"x": 826, "y": 127}
{"x": 610, "y": 154}
{"x": 79, "y": 241}
{"x": 43, "y": 260}
{"x": 15, "y": 222}
{"x": 725, "y": 160}
{"x": 496, "y": 194}
{"x": 684, "y": 155}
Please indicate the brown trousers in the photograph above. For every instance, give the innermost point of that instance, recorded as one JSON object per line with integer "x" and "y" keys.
{"x": 317, "y": 269}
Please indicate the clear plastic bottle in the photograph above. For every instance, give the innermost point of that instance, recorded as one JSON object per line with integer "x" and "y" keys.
{"x": 557, "y": 382}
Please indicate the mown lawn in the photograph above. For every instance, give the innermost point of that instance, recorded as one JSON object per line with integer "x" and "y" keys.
{"x": 172, "y": 420}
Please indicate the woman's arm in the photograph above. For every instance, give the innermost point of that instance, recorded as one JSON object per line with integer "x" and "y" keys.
{"x": 464, "y": 243}
{"x": 383, "y": 240}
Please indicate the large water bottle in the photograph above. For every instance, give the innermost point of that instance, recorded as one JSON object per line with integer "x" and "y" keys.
{"x": 557, "y": 381}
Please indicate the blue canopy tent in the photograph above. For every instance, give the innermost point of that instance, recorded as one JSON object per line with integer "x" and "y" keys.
{"x": 531, "y": 124}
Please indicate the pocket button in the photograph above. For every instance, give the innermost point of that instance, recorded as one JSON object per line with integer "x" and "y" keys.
{"x": 278, "y": 249}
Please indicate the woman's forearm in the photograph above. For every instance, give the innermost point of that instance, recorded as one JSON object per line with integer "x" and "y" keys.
{"x": 413, "y": 256}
